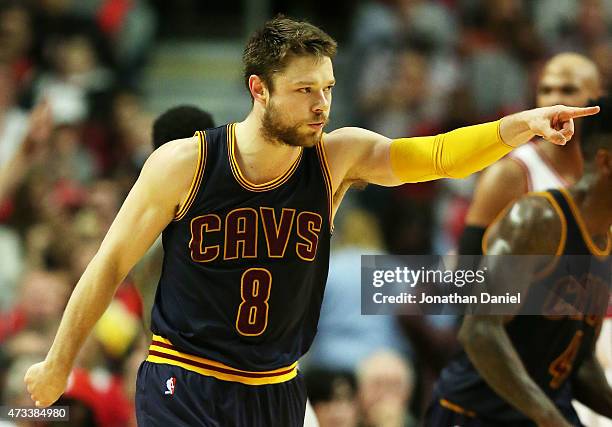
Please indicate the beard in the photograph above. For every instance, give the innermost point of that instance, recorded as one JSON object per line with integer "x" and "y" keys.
{"x": 274, "y": 129}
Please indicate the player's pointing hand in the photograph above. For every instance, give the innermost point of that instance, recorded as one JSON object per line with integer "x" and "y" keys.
{"x": 556, "y": 124}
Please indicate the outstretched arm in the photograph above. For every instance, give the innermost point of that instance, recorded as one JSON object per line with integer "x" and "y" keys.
{"x": 526, "y": 229}
{"x": 367, "y": 156}
{"x": 150, "y": 206}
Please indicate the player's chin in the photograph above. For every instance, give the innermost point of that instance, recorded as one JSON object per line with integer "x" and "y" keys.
{"x": 305, "y": 138}
{"x": 312, "y": 139}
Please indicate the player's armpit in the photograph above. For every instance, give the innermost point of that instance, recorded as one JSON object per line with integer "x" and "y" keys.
{"x": 500, "y": 184}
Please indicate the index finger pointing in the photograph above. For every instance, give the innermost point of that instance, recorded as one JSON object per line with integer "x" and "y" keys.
{"x": 573, "y": 112}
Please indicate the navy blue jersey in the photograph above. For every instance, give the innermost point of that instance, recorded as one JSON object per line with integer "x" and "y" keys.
{"x": 551, "y": 347}
{"x": 245, "y": 265}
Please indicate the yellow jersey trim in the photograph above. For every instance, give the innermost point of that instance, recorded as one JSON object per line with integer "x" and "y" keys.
{"x": 328, "y": 182}
{"x": 242, "y": 180}
{"x": 197, "y": 178}
{"x": 163, "y": 352}
{"x": 595, "y": 250}
{"x": 456, "y": 408}
{"x": 555, "y": 206}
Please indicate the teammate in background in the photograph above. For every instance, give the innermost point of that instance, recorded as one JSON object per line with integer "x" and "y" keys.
{"x": 246, "y": 212}
{"x": 567, "y": 78}
{"x": 527, "y": 369}
{"x": 180, "y": 122}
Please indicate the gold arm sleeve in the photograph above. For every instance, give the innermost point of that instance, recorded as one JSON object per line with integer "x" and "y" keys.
{"x": 455, "y": 154}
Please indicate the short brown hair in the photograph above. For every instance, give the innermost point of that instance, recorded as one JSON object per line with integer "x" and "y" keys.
{"x": 269, "y": 48}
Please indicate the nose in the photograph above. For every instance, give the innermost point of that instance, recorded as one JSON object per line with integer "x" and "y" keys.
{"x": 322, "y": 102}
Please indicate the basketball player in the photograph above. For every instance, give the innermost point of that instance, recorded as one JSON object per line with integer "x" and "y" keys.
{"x": 569, "y": 79}
{"x": 526, "y": 370}
{"x": 246, "y": 213}
{"x": 181, "y": 122}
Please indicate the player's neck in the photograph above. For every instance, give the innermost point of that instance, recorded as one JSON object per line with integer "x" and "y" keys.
{"x": 566, "y": 159}
{"x": 259, "y": 159}
{"x": 594, "y": 201}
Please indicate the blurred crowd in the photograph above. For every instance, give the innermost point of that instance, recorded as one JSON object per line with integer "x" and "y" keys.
{"x": 73, "y": 137}
{"x": 74, "y": 134}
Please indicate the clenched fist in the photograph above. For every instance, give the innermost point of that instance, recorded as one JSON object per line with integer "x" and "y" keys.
{"x": 45, "y": 383}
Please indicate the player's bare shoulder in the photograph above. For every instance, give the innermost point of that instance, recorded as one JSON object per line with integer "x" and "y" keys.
{"x": 533, "y": 225}
{"x": 351, "y": 150}
{"x": 342, "y": 145}
{"x": 353, "y": 133}
{"x": 352, "y": 142}
{"x": 171, "y": 168}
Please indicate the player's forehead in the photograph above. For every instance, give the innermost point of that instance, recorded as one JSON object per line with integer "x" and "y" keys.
{"x": 556, "y": 78}
{"x": 306, "y": 69}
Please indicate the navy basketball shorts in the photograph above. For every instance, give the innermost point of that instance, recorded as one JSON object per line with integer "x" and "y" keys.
{"x": 444, "y": 414}
{"x": 440, "y": 414}
{"x": 168, "y": 395}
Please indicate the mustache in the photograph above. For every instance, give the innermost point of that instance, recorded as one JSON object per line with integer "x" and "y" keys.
{"x": 320, "y": 118}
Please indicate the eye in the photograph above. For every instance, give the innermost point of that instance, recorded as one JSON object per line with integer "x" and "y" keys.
{"x": 304, "y": 90}
{"x": 329, "y": 88}
{"x": 544, "y": 90}
{"x": 569, "y": 90}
